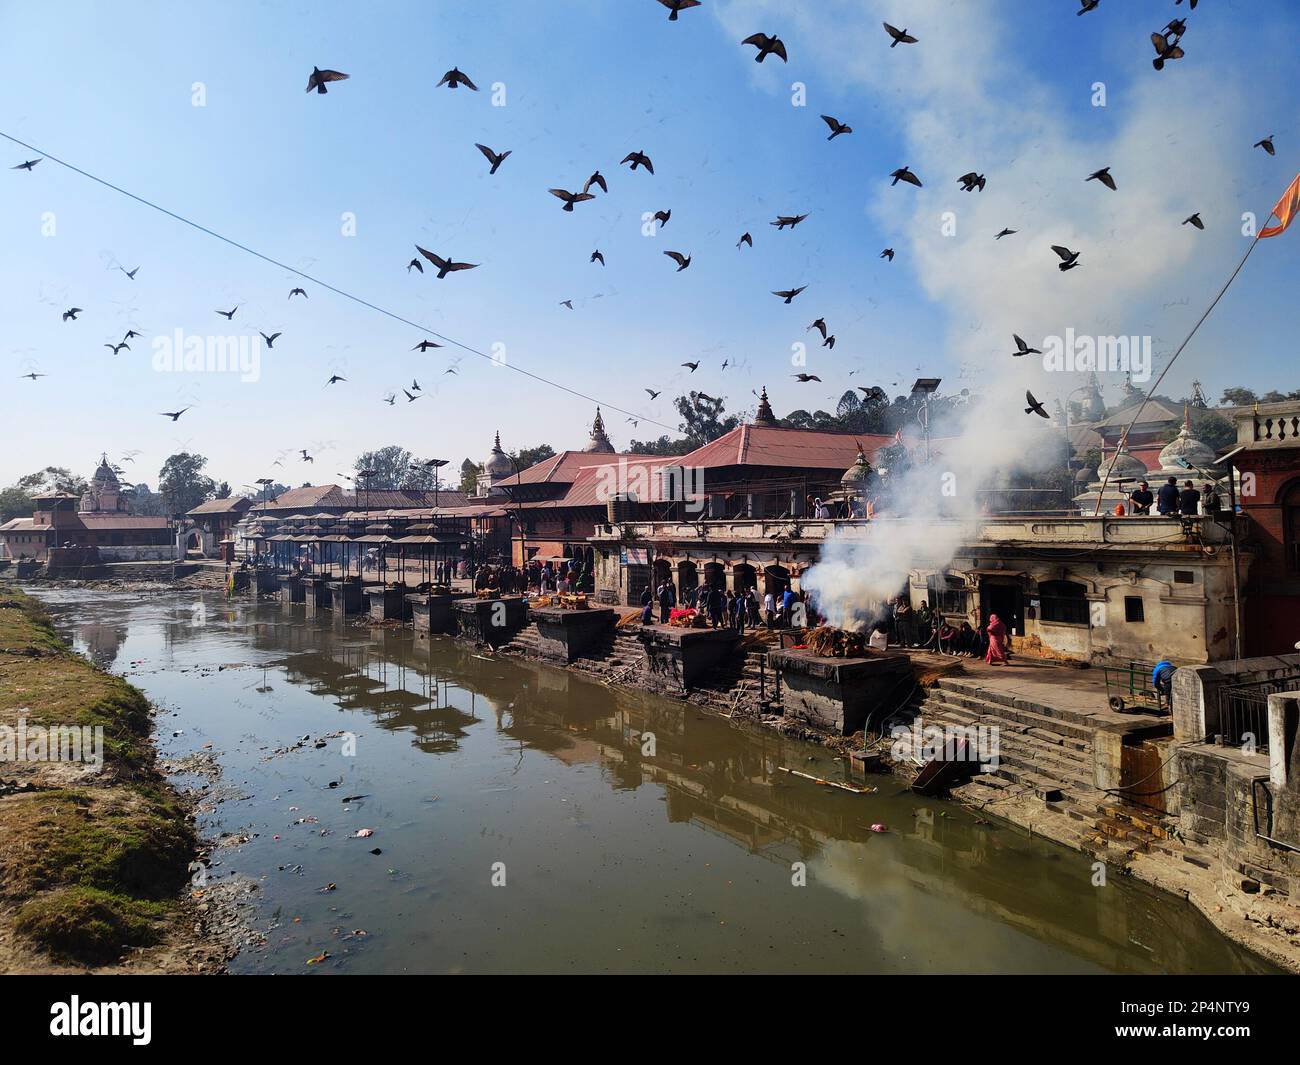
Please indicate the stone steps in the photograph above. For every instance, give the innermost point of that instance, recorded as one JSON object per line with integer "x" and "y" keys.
{"x": 1066, "y": 721}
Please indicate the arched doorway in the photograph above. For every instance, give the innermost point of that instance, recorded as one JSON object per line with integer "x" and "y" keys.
{"x": 715, "y": 575}
{"x": 776, "y": 578}
{"x": 743, "y": 576}
{"x": 663, "y": 571}
{"x": 688, "y": 576}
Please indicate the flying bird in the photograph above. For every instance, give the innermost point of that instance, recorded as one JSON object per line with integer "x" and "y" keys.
{"x": 173, "y": 414}
{"x": 596, "y": 256}
{"x": 1087, "y": 5}
{"x": 334, "y": 379}
{"x": 130, "y": 273}
{"x": 27, "y": 165}
{"x": 445, "y": 266}
{"x": 417, "y": 264}
{"x": 819, "y": 325}
{"x": 229, "y": 314}
{"x": 766, "y": 46}
{"x": 32, "y": 376}
{"x": 72, "y": 313}
{"x": 454, "y": 77}
{"x": 682, "y": 261}
{"x": 652, "y": 393}
{"x": 692, "y": 366}
{"x": 662, "y": 216}
{"x": 116, "y": 348}
{"x": 1176, "y": 27}
{"x": 788, "y": 294}
{"x": 972, "y": 181}
{"x": 570, "y": 198}
{"x": 1005, "y": 233}
{"x": 409, "y": 398}
{"x": 791, "y": 220}
{"x": 425, "y": 345}
{"x": 1022, "y": 348}
{"x": 1103, "y": 175}
{"x": 297, "y": 292}
{"x": 829, "y": 342}
{"x": 390, "y": 399}
{"x": 1195, "y": 220}
{"x": 1069, "y": 259}
{"x": 1166, "y": 49}
{"x": 888, "y": 253}
{"x": 496, "y": 159}
{"x": 638, "y": 159}
{"x": 270, "y": 340}
{"x": 900, "y": 36}
{"x": 305, "y": 457}
{"x": 745, "y": 238}
{"x": 804, "y": 378}
{"x": 320, "y": 77}
{"x": 567, "y": 303}
{"x": 1266, "y": 144}
{"x": 1034, "y": 406}
{"x": 596, "y": 179}
{"x": 904, "y": 174}
{"x": 836, "y": 127}
{"x": 675, "y": 6}
{"x": 131, "y": 333}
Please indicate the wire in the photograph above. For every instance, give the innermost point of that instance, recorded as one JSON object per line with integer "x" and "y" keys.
{"x": 325, "y": 284}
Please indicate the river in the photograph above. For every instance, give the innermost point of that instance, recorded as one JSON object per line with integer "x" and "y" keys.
{"x": 522, "y": 827}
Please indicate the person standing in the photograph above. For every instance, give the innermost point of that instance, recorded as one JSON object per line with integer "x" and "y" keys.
{"x": 647, "y": 607}
{"x": 997, "y": 652}
{"x": 667, "y": 600}
{"x": 1189, "y": 500}
{"x": 1167, "y": 498}
{"x": 769, "y": 610}
{"x": 1141, "y": 498}
{"x": 905, "y": 622}
{"x": 787, "y": 606}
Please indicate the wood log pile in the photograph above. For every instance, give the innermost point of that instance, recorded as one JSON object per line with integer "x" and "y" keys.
{"x": 827, "y": 642}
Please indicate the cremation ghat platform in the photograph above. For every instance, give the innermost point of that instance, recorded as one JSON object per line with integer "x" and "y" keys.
{"x": 431, "y": 612}
{"x": 678, "y": 659}
{"x": 566, "y": 634}
{"x": 491, "y": 621}
{"x": 839, "y": 694}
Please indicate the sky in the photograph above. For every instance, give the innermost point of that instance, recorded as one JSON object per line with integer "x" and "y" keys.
{"x": 201, "y": 110}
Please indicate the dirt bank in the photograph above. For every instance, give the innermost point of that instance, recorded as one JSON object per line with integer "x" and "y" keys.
{"x": 95, "y": 863}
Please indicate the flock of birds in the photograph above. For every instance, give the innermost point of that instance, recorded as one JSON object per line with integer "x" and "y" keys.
{"x": 1167, "y": 44}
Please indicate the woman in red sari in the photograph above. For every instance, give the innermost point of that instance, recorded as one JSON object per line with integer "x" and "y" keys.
{"x": 997, "y": 641}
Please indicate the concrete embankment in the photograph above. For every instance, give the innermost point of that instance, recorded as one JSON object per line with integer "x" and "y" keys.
{"x": 95, "y": 847}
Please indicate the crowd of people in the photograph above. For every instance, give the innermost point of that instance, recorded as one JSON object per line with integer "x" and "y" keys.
{"x": 1172, "y": 501}
{"x": 726, "y": 607}
{"x": 925, "y": 629}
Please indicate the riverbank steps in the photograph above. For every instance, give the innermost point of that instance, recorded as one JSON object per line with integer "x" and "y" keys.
{"x": 95, "y": 847}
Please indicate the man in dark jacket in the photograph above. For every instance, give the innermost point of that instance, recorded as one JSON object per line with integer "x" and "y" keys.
{"x": 1189, "y": 500}
{"x": 667, "y": 600}
{"x": 1167, "y": 498}
{"x": 1141, "y": 498}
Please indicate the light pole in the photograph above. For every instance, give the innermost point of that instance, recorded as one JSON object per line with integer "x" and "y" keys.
{"x": 925, "y": 387}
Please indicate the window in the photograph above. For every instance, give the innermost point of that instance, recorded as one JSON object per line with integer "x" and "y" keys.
{"x": 1184, "y": 576}
{"x": 1133, "y": 608}
{"x": 946, "y": 594}
{"x": 1064, "y": 602}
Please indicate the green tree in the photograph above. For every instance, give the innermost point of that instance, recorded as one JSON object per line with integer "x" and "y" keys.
{"x": 665, "y": 445}
{"x": 1238, "y": 397}
{"x": 703, "y": 418}
{"x": 222, "y": 491}
{"x": 183, "y": 484}
{"x": 531, "y": 456}
{"x": 469, "y": 471}
{"x": 144, "y": 502}
{"x": 15, "y": 502}
{"x": 394, "y": 467}
{"x": 53, "y": 479}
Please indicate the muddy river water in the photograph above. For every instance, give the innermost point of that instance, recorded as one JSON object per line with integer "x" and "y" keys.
{"x": 523, "y": 827}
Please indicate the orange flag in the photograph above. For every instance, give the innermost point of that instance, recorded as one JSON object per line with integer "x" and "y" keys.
{"x": 1285, "y": 210}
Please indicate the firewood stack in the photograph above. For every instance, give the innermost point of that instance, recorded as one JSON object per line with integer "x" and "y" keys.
{"x": 827, "y": 642}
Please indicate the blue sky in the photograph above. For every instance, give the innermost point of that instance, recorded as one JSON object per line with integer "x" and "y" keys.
{"x": 1002, "y": 88}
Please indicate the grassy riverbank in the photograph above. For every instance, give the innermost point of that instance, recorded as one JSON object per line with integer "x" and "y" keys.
{"x": 93, "y": 864}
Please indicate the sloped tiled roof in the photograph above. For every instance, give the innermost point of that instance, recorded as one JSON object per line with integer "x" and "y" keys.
{"x": 220, "y": 506}
{"x": 592, "y": 485}
{"x": 315, "y": 497}
{"x": 564, "y": 467}
{"x": 769, "y": 445}
{"x": 1156, "y": 413}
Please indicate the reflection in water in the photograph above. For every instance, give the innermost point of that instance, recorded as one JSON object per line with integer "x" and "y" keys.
{"x": 613, "y": 860}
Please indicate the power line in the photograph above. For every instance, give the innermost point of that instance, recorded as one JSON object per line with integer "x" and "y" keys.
{"x": 325, "y": 284}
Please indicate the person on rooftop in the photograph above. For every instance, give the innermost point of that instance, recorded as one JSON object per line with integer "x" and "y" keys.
{"x": 1189, "y": 500}
{"x": 1141, "y": 498}
{"x": 1167, "y": 498}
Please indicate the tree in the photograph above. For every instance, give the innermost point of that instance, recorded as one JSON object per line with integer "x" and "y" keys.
{"x": 469, "y": 471}
{"x": 1238, "y": 397}
{"x": 222, "y": 491}
{"x": 702, "y": 418}
{"x": 53, "y": 479}
{"x": 183, "y": 483}
{"x": 269, "y": 491}
{"x": 665, "y": 445}
{"x": 531, "y": 456}
{"x": 144, "y": 502}
{"x": 15, "y": 503}
{"x": 394, "y": 468}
